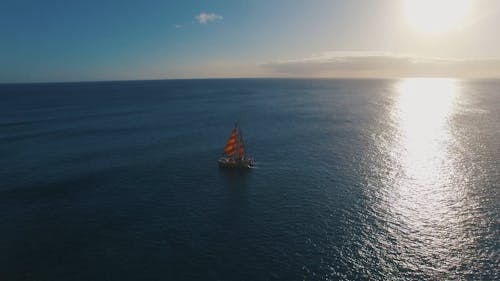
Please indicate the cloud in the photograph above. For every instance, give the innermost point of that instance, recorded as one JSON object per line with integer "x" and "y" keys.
{"x": 178, "y": 25}
{"x": 205, "y": 18}
{"x": 382, "y": 65}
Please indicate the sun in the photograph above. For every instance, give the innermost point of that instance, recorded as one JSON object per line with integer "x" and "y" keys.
{"x": 436, "y": 16}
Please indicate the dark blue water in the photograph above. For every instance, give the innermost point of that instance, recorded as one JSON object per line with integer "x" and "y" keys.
{"x": 355, "y": 180}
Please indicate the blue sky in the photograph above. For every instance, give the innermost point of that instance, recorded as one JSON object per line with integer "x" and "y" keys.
{"x": 119, "y": 40}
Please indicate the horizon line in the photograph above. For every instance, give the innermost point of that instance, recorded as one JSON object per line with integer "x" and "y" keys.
{"x": 250, "y": 78}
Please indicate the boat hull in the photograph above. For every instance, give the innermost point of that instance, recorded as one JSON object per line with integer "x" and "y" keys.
{"x": 235, "y": 164}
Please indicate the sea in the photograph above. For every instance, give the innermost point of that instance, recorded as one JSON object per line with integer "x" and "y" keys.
{"x": 354, "y": 180}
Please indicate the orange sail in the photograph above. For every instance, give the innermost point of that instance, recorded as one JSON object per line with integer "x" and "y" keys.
{"x": 230, "y": 148}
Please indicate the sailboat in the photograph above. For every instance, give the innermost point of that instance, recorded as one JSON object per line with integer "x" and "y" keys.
{"x": 234, "y": 152}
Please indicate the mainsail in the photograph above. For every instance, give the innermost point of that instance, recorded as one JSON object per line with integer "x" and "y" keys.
{"x": 230, "y": 148}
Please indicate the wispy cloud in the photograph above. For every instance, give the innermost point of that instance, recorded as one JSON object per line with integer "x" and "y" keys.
{"x": 178, "y": 25}
{"x": 373, "y": 64}
{"x": 204, "y": 18}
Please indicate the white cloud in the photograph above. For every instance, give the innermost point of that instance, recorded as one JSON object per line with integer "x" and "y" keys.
{"x": 178, "y": 25}
{"x": 205, "y": 18}
{"x": 381, "y": 65}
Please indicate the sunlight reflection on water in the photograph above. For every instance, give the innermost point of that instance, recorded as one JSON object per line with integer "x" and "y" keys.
{"x": 422, "y": 114}
{"x": 423, "y": 201}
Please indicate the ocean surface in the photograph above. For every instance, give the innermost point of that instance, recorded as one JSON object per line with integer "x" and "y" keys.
{"x": 355, "y": 180}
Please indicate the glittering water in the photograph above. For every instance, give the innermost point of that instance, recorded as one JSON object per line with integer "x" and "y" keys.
{"x": 355, "y": 180}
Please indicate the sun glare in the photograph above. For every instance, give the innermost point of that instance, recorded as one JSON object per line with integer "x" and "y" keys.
{"x": 436, "y": 16}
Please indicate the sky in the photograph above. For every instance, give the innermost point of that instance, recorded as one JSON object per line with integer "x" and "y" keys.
{"x": 56, "y": 40}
